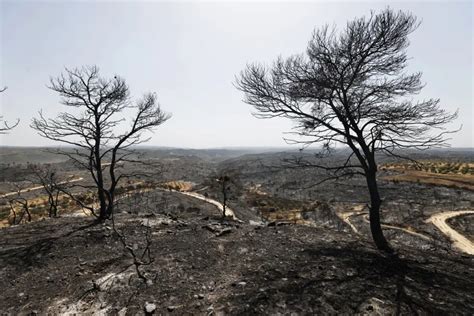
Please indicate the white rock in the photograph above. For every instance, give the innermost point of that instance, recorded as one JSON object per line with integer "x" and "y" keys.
{"x": 150, "y": 307}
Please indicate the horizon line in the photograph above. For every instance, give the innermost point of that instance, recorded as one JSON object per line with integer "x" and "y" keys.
{"x": 219, "y": 147}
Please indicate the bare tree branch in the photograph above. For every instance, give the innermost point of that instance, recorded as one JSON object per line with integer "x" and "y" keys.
{"x": 4, "y": 125}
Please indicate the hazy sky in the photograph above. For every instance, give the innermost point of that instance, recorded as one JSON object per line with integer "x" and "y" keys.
{"x": 189, "y": 53}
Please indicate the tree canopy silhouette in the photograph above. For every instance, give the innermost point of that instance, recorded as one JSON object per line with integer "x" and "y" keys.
{"x": 100, "y": 141}
{"x": 351, "y": 88}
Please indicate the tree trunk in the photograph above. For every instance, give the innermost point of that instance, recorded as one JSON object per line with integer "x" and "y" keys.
{"x": 56, "y": 204}
{"x": 224, "y": 202}
{"x": 374, "y": 214}
{"x": 103, "y": 214}
{"x": 14, "y": 213}
{"x": 27, "y": 211}
{"x": 51, "y": 205}
{"x": 110, "y": 206}
{"x": 103, "y": 205}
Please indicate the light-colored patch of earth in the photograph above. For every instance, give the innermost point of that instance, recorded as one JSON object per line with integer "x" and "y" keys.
{"x": 257, "y": 189}
{"x": 182, "y": 186}
{"x": 345, "y": 216}
{"x": 459, "y": 241}
{"x": 294, "y": 216}
{"x": 64, "y": 308}
{"x": 103, "y": 284}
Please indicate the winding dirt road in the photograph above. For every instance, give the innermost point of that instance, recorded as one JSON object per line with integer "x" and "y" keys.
{"x": 39, "y": 187}
{"x": 408, "y": 231}
{"x": 438, "y": 220}
{"x": 345, "y": 216}
{"x": 459, "y": 241}
{"x": 228, "y": 212}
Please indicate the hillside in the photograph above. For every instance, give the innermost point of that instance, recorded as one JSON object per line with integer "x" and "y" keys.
{"x": 292, "y": 248}
{"x": 205, "y": 266}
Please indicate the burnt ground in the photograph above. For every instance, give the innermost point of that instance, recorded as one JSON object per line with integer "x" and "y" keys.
{"x": 72, "y": 265}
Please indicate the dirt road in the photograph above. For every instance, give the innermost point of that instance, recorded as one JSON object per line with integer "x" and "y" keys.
{"x": 228, "y": 212}
{"x": 38, "y": 187}
{"x": 438, "y": 220}
{"x": 356, "y": 209}
{"x": 345, "y": 216}
{"x": 359, "y": 210}
{"x": 459, "y": 241}
{"x": 403, "y": 229}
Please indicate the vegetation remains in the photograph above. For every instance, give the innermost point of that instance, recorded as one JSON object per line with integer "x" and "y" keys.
{"x": 458, "y": 175}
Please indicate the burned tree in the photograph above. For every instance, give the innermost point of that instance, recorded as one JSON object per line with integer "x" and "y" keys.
{"x": 223, "y": 181}
{"x": 94, "y": 126}
{"x": 226, "y": 184}
{"x": 4, "y": 126}
{"x": 23, "y": 203}
{"x": 49, "y": 179}
{"x": 351, "y": 89}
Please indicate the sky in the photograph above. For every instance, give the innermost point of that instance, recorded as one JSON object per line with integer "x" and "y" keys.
{"x": 190, "y": 52}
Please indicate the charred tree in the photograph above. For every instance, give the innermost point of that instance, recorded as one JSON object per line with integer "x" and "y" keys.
{"x": 224, "y": 188}
{"x": 351, "y": 89}
{"x": 94, "y": 127}
{"x": 24, "y": 206}
{"x": 49, "y": 179}
{"x": 226, "y": 185}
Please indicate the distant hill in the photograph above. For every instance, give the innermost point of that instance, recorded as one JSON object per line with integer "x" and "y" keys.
{"x": 23, "y": 155}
